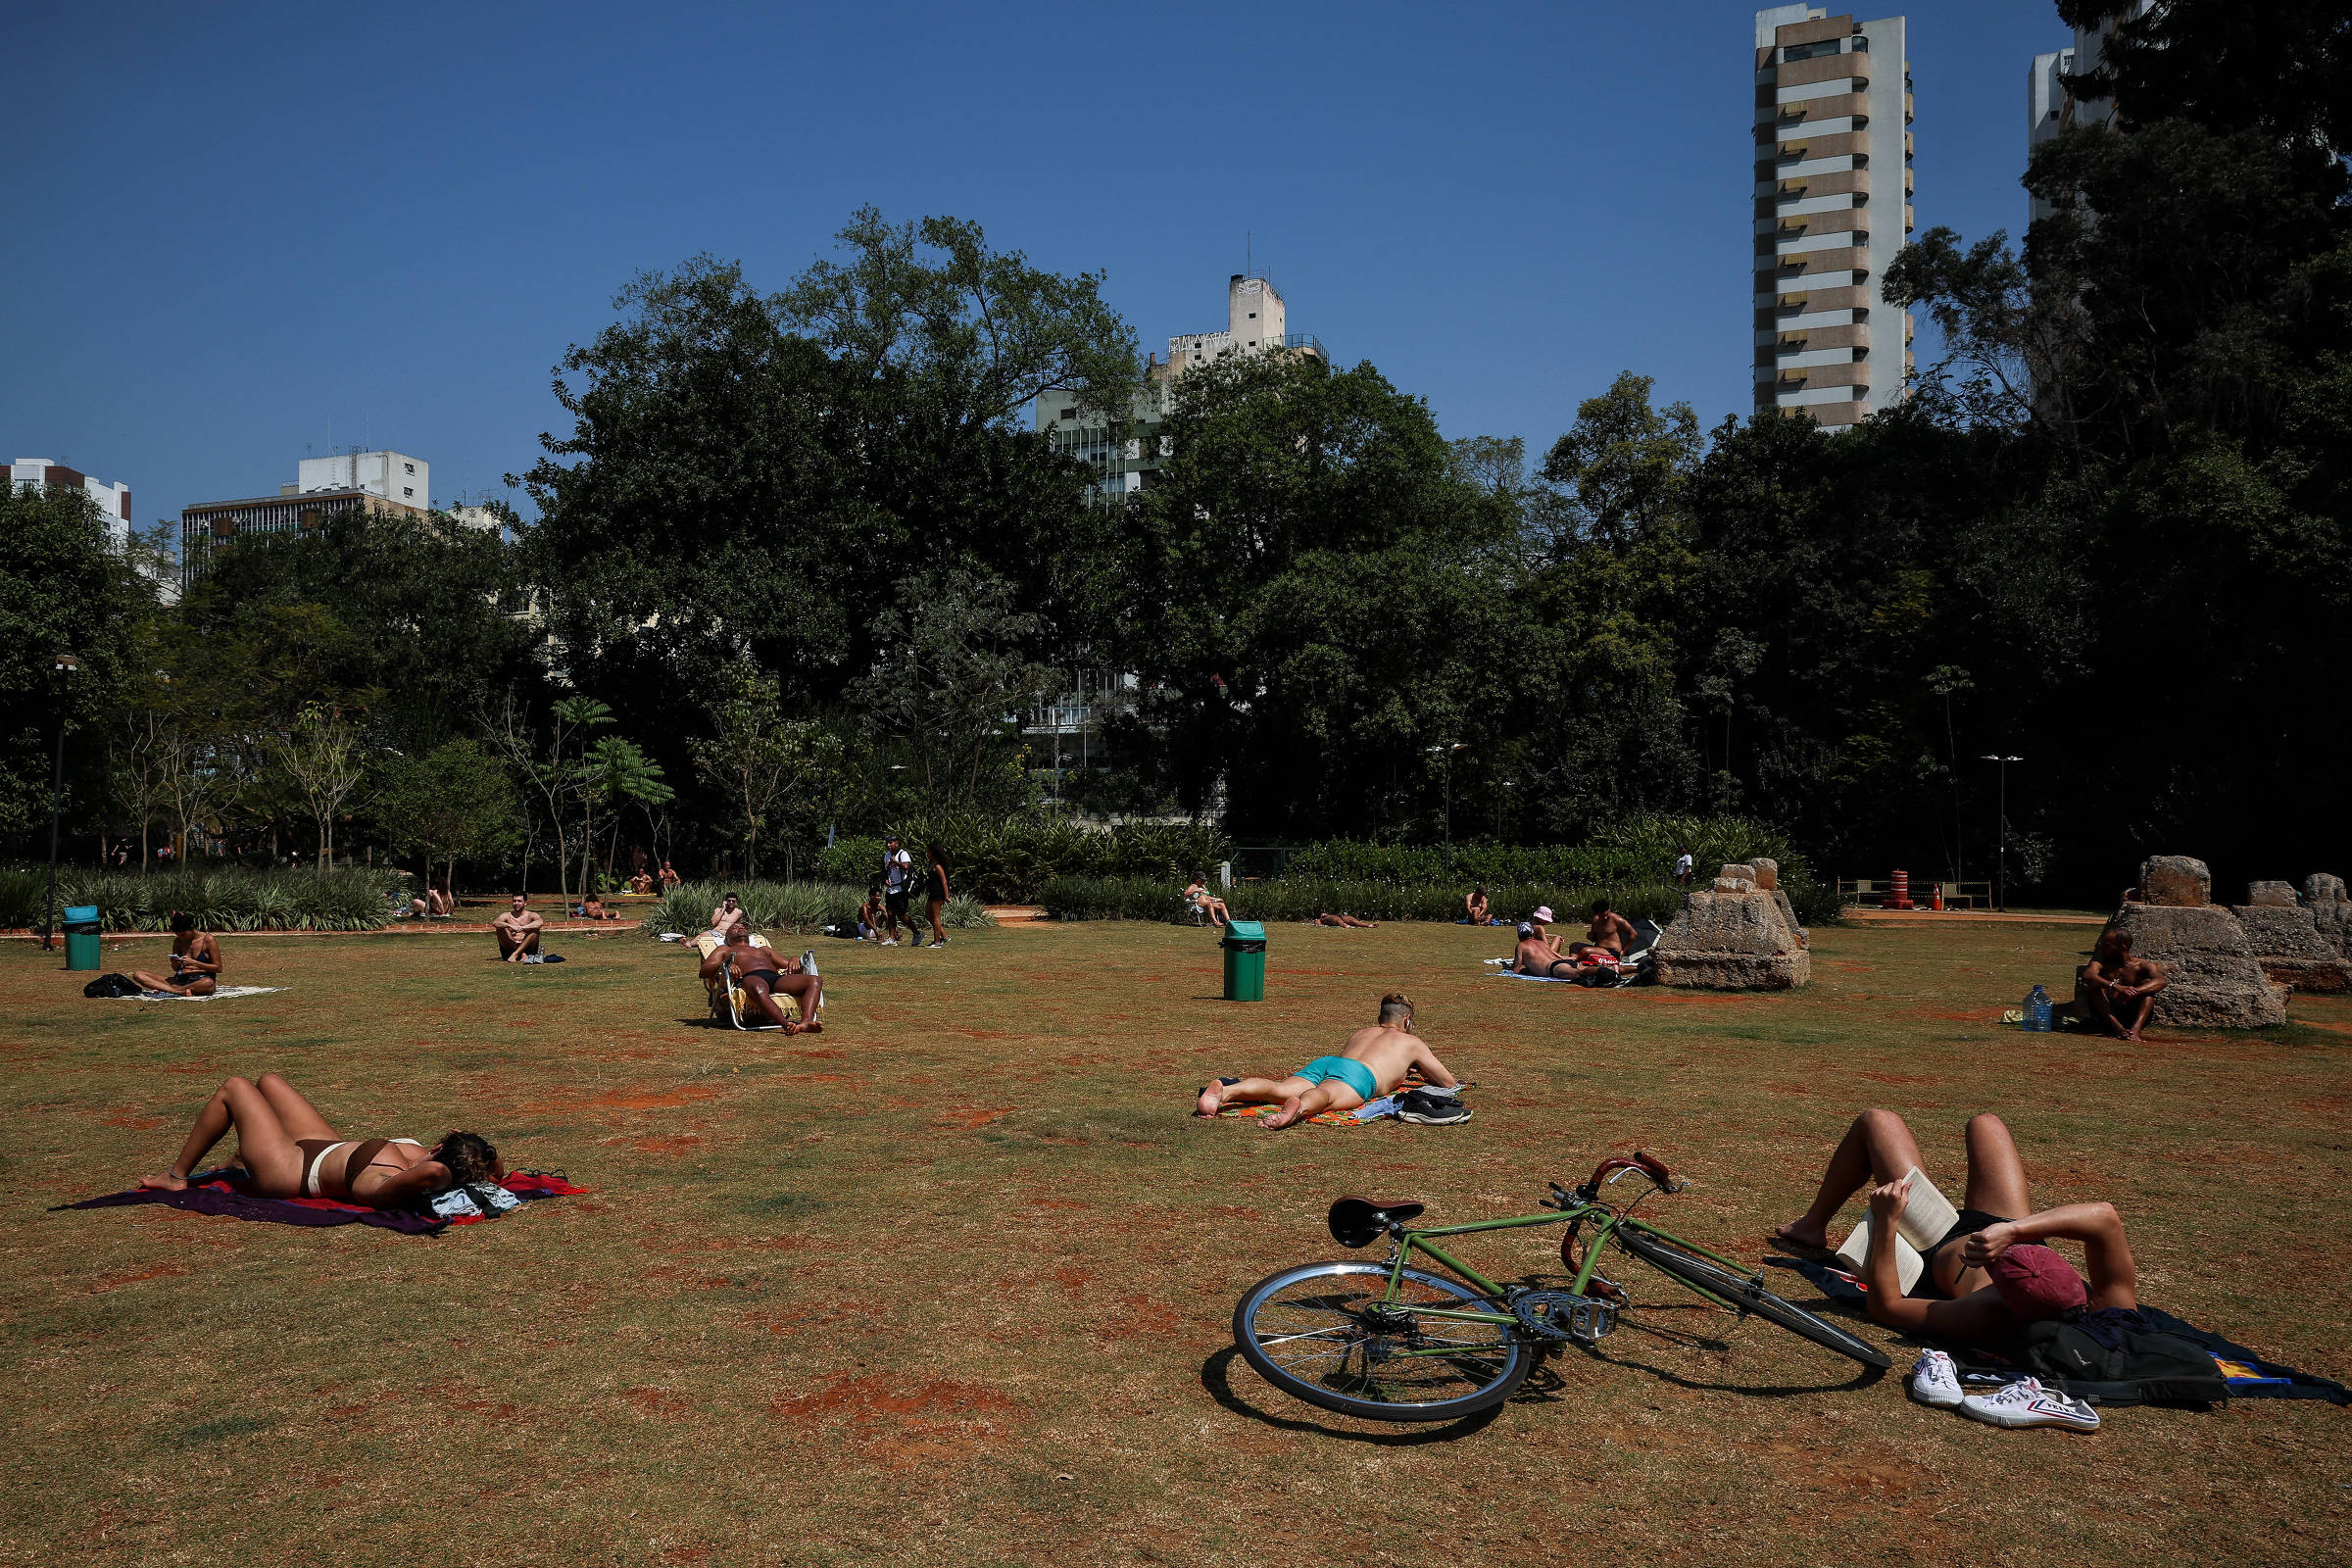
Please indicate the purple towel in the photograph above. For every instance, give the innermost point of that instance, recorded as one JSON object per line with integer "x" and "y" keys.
{"x": 211, "y": 1192}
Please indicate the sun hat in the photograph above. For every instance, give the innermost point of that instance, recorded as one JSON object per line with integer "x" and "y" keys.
{"x": 2035, "y": 1283}
{"x": 1544, "y": 915}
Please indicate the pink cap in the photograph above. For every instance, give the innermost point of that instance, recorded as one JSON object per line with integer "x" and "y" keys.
{"x": 1544, "y": 915}
{"x": 2037, "y": 1283}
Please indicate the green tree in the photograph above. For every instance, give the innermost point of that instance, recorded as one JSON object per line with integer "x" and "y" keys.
{"x": 615, "y": 773}
{"x": 456, "y": 801}
{"x": 959, "y": 671}
{"x": 320, "y": 753}
{"x": 775, "y": 770}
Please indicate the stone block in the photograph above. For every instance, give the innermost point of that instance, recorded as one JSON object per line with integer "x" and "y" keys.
{"x": 2320, "y": 888}
{"x": 1768, "y": 873}
{"x": 2214, "y": 981}
{"x": 2330, "y": 912}
{"x": 1733, "y": 939}
{"x": 2287, "y": 944}
{"x": 2176, "y": 881}
{"x": 2270, "y": 896}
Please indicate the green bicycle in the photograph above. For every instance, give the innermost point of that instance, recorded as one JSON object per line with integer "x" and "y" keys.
{"x": 1393, "y": 1342}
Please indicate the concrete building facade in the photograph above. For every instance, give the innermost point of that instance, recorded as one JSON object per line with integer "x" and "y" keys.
{"x": 113, "y": 501}
{"x": 386, "y": 476}
{"x": 1833, "y": 206}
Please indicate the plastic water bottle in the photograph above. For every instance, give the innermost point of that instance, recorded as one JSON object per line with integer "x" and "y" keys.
{"x": 2038, "y": 1011}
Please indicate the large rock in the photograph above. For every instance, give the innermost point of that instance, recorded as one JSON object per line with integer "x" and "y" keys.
{"x": 2175, "y": 880}
{"x": 2214, "y": 981}
{"x": 1768, "y": 880}
{"x": 2330, "y": 912}
{"x": 2287, "y": 944}
{"x": 2271, "y": 895}
{"x": 1732, "y": 937}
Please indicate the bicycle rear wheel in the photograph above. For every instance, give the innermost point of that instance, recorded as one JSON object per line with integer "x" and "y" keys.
{"x": 1323, "y": 1333}
{"x": 1712, "y": 1278}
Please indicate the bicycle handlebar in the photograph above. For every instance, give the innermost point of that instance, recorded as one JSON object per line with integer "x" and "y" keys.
{"x": 1648, "y": 1166}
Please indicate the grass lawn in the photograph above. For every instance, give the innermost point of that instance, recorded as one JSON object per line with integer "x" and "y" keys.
{"x": 952, "y": 1283}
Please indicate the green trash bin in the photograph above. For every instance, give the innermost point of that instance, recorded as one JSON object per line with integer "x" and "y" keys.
{"x": 82, "y": 936}
{"x": 1244, "y": 948}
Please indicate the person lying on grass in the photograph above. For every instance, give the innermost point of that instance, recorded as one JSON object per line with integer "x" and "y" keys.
{"x": 593, "y": 909}
{"x": 1537, "y": 956}
{"x": 1348, "y": 920}
{"x": 1991, "y": 1273}
{"x": 2118, "y": 988}
{"x": 288, "y": 1150}
{"x": 195, "y": 961}
{"x": 763, "y": 975}
{"x": 519, "y": 931}
{"x": 1374, "y": 1061}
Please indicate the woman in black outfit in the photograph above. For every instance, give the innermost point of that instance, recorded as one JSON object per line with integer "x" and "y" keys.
{"x": 937, "y": 891}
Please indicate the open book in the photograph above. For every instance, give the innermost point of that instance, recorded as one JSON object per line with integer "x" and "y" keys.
{"x": 1928, "y": 1217}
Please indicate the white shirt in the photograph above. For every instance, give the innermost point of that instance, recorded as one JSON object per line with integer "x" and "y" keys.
{"x": 898, "y": 869}
{"x": 1682, "y": 865}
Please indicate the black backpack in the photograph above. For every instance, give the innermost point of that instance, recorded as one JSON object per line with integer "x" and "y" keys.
{"x": 112, "y": 985}
{"x": 2143, "y": 1366}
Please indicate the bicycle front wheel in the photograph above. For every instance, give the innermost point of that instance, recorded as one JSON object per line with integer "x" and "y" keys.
{"x": 1744, "y": 1293}
{"x": 1328, "y": 1334}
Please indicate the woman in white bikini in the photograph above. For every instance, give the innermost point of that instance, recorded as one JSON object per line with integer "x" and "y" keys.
{"x": 290, "y": 1151}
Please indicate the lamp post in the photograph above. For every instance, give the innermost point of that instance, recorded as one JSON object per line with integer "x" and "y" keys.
{"x": 62, "y": 667}
{"x": 2000, "y": 871}
{"x": 1446, "y": 751}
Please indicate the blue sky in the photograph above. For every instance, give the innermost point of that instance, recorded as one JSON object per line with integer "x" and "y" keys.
{"x": 241, "y": 231}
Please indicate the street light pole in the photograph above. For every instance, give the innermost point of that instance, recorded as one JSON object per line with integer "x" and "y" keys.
{"x": 64, "y": 665}
{"x": 2000, "y": 871}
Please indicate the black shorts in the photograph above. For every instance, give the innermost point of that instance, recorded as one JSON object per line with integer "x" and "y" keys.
{"x": 896, "y": 902}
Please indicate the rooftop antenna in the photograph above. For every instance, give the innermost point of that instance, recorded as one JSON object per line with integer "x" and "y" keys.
{"x": 1249, "y": 267}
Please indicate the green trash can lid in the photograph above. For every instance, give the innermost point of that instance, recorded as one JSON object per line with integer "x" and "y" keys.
{"x": 82, "y": 911}
{"x": 1246, "y": 931}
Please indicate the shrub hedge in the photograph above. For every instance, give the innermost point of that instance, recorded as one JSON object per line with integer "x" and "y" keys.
{"x": 1626, "y": 851}
{"x": 801, "y": 908}
{"x": 1008, "y": 862}
{"x": 226, "y": 898}
{"x": 1300, "y": 898}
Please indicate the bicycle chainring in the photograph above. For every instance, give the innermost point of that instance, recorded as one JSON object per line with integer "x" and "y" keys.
{"x": 1563, "y": 1316}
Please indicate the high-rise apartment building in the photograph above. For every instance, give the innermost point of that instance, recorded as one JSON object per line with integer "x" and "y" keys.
{"x": 1256, "y": 322}
{"x": 2052, "y": 105}
{"x": 387, "y": 483}
{"x": 1833, "y": 206}
{"x": 113, "y": 501}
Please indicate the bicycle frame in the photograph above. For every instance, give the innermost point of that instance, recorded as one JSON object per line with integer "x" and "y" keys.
{"x": 1611, "y": 1223}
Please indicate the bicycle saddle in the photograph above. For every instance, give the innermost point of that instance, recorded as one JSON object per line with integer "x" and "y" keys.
{"x": 1360, "y": 1221}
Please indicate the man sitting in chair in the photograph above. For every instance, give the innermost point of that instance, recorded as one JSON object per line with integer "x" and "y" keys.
{"x": 1374, "y": 1061}
{"x": 763, "y": 975}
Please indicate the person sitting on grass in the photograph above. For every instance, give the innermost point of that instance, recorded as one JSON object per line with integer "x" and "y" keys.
{"x": 195, "y": 961}
{"x": 2118, "y": 988}
{"x": 1609, "y": 932}
{"x": 1376, "y": 1061}
{"x": 593, "y": 909}
{"x": 519, "y": 931}
{"x": 287, "y": 1150}
{"x": 1537, "y": 956}
{"x": 434, "y": 905}
{"x": 642, "y": 884}
{"x": 871, "y": 915}
{"x": 1990, "y": 1274}
{"x": 1197, "y": 894}
{"x": 1349, "y": 921}
{"x": 1477, "y": 910}
{"x": 764, "y": 975}
{"x": 670, "y": 876}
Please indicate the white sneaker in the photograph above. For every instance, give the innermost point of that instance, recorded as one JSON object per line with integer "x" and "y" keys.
{"x": 890, "y": 942}
{"x": 2027, "y": 1403}
{"x": 1936, "y": 1381}
{"x": 809, "y": 962}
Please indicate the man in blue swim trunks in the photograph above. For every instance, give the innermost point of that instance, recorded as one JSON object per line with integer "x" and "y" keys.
{"x": 1375, "y": 1061}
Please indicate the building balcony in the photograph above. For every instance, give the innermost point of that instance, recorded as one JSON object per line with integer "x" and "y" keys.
{"x": 1823, "y": 68}
{"x": 1837, "y": 105}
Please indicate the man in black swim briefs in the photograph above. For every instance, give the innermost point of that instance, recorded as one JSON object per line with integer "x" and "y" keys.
{"x": 764, "y": 976}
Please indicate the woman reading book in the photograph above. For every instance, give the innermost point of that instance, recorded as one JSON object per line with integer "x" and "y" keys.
{"x": 1985, "y": 1271}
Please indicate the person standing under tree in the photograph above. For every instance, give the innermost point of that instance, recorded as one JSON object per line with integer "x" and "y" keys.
{"x": 935, "y": 874}
{"x": 898, "y": 880}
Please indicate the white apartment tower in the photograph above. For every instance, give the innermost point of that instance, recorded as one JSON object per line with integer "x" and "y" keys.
{"x": 2050, "y": 103}
{"x": 1833, "y": 207}
{"x": 386, "y": 476}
